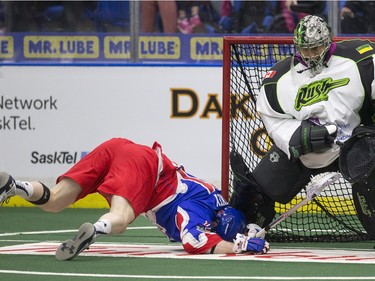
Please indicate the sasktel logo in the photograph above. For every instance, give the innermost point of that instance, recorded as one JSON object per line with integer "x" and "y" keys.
{"x": 57, "y": 157}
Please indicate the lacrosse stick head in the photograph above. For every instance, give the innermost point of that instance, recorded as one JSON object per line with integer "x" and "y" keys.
{"x": 319, "y": 182}
{"x": 314, "y": 188}
{"x": 357, "y": 157}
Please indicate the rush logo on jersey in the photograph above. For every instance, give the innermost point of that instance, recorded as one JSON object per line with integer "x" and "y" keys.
{"x": 317, "y": 91}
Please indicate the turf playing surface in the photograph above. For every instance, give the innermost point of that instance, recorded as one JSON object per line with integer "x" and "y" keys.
{"x": 20, "y": 226}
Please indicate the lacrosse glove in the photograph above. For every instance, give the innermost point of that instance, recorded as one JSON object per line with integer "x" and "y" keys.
{"x": 311, "y": 138}
{"x": 244, "y": 243}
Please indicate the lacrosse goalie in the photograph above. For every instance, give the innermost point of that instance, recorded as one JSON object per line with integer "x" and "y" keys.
{"x": 309, "y": 103}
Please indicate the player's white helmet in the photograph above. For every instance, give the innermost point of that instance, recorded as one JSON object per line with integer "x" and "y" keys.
{"x": 313, "y": 38}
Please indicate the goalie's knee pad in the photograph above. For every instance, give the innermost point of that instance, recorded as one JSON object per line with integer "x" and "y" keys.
{"x": 244, "y": 196}
{"x": 257, "y": 207}
{"x": 265, "y": 213}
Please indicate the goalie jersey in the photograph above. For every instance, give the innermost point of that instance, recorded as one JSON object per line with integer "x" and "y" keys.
{"x": 187, "y": 216}
{"x": 342, "y": 94}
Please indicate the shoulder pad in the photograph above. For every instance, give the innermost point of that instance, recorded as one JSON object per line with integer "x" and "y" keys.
{"x": 355, "y": 49}
{"x": 276, "y": 71}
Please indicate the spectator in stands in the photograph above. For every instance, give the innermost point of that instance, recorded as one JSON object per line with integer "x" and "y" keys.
{"x": 2, "y": 17}
{"x": 112, "y": 16}
{"x": 47, "y": 16}
{"x": 138, "y": 179}
{"x": 188, "y": 16}
{"x": 64, "y": 16}
{"x": 358, "y": 17}
{"x": 225, "y": 24}
{"x": 152, "y": 10}
{"x": 289, "y": 12}
{"x": 19, "y": 16}
{"x": 246, "y": 16}
{"x": 199, "y": 17}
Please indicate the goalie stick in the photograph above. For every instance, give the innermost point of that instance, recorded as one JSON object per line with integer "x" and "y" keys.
{"x": 313, "y": 189}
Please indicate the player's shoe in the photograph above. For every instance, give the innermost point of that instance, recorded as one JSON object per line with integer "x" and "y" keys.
{"x": 7, "y": 187}
{"x": 71, "y": 248}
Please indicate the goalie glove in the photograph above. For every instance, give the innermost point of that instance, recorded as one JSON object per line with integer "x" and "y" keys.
{"x": 244, "y": 243}
{"x": 311, "y": 138}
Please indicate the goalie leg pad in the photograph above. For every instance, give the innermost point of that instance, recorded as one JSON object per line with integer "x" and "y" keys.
{"x": 357, "y": 166}
{"x": 247, "y": 195}
{"x": 364, "y": 202}
{"x": 257, "y": 207}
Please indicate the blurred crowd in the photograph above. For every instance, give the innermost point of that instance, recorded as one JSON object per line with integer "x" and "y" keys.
{"x": 226, "y": 16}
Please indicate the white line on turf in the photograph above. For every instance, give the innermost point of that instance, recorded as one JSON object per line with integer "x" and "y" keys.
{"x": 176, "y": 252}
{"x": 174, "y": 277}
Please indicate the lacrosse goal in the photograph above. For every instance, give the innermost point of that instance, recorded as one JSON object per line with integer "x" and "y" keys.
{"x": 329, "y": 217}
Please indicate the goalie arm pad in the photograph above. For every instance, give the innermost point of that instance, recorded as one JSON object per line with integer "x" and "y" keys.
{"x": 311, "y": 138}
{"x": 244, "y": 243}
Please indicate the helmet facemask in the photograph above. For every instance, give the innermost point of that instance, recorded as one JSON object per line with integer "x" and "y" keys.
{"x": 312, "y": 38}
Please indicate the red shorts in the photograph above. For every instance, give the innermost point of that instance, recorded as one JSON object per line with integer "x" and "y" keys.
{"x": 118, "y": 167}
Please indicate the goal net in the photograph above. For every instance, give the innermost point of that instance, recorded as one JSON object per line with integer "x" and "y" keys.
{"x": 329, "y": 217}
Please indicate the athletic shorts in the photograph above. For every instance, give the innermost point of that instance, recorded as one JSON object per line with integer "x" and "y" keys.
{"x": 118, "y": 167}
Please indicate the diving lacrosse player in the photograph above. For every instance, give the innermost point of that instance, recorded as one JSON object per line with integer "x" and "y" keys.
{"x": 137, "y": 179}
{"x": 308, "y": 102}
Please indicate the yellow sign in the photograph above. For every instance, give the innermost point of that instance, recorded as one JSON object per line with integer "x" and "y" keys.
{"x": 83, "y": 47}
{"x": 206, "y": 48}
{"x": 159, "y": 47}
{"x": 6, "y": 47}
{"x": 117, "y": 47}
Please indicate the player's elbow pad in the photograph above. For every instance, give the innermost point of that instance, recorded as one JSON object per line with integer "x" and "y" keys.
{"x": 311, "y": 138}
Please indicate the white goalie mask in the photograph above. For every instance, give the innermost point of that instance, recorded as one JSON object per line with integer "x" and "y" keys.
{"x": 313, "y": 38}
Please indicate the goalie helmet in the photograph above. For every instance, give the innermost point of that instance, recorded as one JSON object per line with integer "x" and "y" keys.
{"x": 313, "y": 38}
{"x": 230, "y": 221}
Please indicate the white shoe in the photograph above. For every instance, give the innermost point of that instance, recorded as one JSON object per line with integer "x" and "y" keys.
{"x": 71, "y": 248}
{"x": 7, "y": 187}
